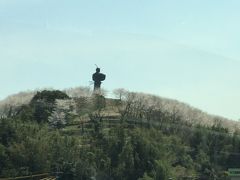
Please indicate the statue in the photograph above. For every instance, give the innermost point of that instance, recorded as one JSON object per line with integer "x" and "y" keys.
{"x": 98, "y": 77}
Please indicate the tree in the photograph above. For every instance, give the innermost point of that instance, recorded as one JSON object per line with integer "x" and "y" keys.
{"x": 43, "y": 104}
{"x": 57, "y": 119}
{"x": 125, "y": 167}
{"x": 96, "y": 116}
{"x": 3, "y": 157}
{"x": 78, "y": 92}
{"x": 62, "y": 113}
{"x": 49, "y": 96}
{"x": 162, "y": 170}
{"x": 146, "y": 177}
{"x": 7, "y": 132}
{"x": 120, "y": 93}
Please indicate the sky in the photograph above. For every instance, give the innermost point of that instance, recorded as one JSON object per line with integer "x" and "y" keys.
{"x": 181, "y": 49}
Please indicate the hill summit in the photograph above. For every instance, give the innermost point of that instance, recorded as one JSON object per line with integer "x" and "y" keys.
{"x": 13, "y": 103}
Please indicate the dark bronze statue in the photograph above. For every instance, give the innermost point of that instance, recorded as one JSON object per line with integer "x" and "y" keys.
{"x": 98, "y": 77}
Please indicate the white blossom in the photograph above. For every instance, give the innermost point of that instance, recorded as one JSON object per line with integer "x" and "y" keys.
{"x": 57, "y": 119}
{"x": 78, "y": 92}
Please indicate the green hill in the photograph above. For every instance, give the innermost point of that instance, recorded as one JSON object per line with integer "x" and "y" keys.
{"x": 135, "y": 136}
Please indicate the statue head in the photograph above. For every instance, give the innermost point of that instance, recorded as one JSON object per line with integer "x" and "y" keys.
{"x": 98, "y": 70}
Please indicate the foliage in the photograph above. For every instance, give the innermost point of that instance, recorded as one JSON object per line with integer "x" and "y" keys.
{"x": 57, "y": 119}
{"x": 147, "y": 143}
{"x": 49, "y": 96}
{"x": 41, "y": 106}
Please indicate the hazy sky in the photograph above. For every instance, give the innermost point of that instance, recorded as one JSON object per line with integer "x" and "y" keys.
{"x": 183, "y": 49}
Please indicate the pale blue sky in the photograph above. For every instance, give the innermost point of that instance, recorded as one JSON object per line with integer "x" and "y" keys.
{"x": 182, "y": 49}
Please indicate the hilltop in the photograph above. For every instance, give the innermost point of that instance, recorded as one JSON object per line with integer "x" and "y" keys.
{"x": 194, "y": 116}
